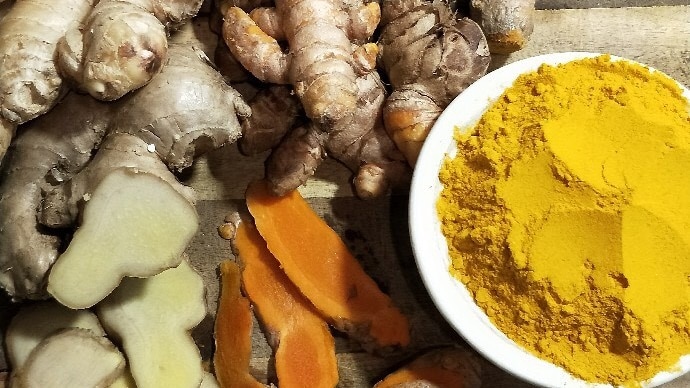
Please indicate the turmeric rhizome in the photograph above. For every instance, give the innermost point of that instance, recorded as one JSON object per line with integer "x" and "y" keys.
{"x": 567, "y": 216}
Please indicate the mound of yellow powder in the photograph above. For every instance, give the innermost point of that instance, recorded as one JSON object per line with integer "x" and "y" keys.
{"x": 567, "y": 216}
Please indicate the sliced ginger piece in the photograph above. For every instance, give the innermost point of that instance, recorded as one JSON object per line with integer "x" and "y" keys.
{"x": 124, "y": 381}
{"x": 317, "y": 261}
{"x": 233, "y": 330}
{"x": 134, "y": 224}
{"x": 304, "y": 347}
{"x": 33, "y": 323}
{"x": 448, "y": 367}
{"x": 152, "y": 318}
{"x": 71, "y": 357}
{"x": 208, "y": 381}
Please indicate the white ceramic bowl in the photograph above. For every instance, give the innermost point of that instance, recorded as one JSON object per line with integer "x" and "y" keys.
{"x": 431, "y": 252}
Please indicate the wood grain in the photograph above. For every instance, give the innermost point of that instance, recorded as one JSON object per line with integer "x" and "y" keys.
{"x": 566, "y": 4}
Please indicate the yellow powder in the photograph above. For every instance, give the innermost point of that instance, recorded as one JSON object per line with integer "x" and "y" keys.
{"x": 567, "y": 216}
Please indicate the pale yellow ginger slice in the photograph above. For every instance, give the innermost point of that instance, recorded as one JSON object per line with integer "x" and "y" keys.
{"x": 125, "y": 381}
{"x": 34, "y": 323}
{"x": 209, "y": 381}
{"x": 152, "y": 318}
{"x": 70, "y": 358}
{"x": 134, "y": 224}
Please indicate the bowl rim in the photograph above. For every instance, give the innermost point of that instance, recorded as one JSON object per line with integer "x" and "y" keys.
{"x": 433, "y": 261}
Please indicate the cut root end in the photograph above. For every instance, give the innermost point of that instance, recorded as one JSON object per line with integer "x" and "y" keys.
{"x": 135, "y": 224}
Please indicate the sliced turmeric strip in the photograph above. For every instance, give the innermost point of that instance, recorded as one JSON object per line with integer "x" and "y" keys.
{"x": 304, "y": 347}
{"x": 233, "y": 330}
{"x": 448, "y": 367}
{"x": 317, "y": 261}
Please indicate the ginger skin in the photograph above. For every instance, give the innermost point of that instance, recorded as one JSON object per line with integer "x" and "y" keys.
{"x": 30, "y": 84}
{"x": 50, "y": 150}
{"x": 454, "y": 54}
{"x": 184, "y": 111}
{"x": 122, "y": 46}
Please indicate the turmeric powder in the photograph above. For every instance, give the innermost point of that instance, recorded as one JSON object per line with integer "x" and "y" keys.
{"x": 567, "y": 216}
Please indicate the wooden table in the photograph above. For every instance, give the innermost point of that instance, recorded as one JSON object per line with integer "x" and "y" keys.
{"x": 376, "y": 231}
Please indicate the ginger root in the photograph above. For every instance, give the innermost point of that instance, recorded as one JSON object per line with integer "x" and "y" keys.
{"x": 186, "y": 110}
{"x": 136, "y": 224}
{"x": 122, "y": 45}
{"x": 304, "y": 347}
{"x": 152, "y": 318}
{"x": 33, "y": 323}
{"x": 72, "y": 357}
{"x": 317, "y": 261}
{"x": 506, "y": 23}
{"x": 50, "y": 149}
{"x": 430, "y": 56}
{"x": 29, "y": 34}
{"x": 233, "y": 330}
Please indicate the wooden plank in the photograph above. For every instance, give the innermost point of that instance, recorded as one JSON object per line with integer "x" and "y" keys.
{"x": 7, "y": 310}
{"x": 658, "y": 37}
{"x": 568, "y": 4}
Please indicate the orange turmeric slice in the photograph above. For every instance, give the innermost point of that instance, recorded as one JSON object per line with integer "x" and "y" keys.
{"x": 317, "y": 261}
{"x": 304, "y": 347}
{"x": 448, "y": 367}
{"x": 233, "y": 328}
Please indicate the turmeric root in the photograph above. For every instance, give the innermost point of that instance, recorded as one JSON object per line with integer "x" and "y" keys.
{"x": 506, "y": 23}
{"x": 122, "y": 45}
{"x": 274, "y": 112}
{"x": 304, "y": 347}
{"x": 359, "y": 141}
{"x": 152, "y": 318}
{"x": 317, "y": 261}
{"x": 30, "y": 84}
{"x": 320, "y": 68}
{"x": 448, "y": 367}
{"x": 233, "y": 330}
{"x": 71, "y": 358}
{"x": 332, "y": 72}
{"x": 430, "y": 56}
{"x": 184, "y": 111}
